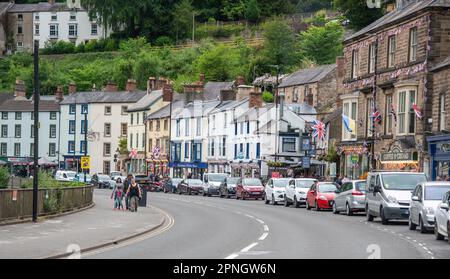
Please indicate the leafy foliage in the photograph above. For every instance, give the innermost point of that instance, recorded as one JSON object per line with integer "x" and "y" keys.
{"x": 357, "y": 12}
{"x": 268, "y": 97}
{"x": 4, "y": 177}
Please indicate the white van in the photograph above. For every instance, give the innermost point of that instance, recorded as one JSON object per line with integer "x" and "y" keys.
{"x": 211, "y": 183}
{"x": 62, "y": 175}
{"x": 388, "y": 194}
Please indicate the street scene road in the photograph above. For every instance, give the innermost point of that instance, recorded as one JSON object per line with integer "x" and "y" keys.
{"x": 226, "y": 228}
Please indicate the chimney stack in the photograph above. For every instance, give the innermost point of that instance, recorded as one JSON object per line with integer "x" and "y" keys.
{"x": 243, "y": 91}
{"x": 131, "y": 85}
{"x": 240, "y": 80}
{"x": 51, "y": 2}
{"x": 227, "y": 95}
{"x": 111, "y": 87}
{"x": 20, "y": 89}
{"x": 160, "y": 83}
{"x": 168, "y": 92}
{"x": 59, "y": 93}
{"x": 72, "y": 88}
{"x": 256, "y": 100}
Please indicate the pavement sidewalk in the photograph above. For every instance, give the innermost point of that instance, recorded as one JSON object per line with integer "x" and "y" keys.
{"x": 92, "y": 227}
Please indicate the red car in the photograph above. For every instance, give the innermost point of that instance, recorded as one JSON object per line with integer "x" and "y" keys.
{"x": 249, "y": 188}
{"x": 321, "y": 196}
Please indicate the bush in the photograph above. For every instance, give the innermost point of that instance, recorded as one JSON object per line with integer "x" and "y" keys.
{"x": 4, "y": 177}
{"x": 164, "y": 41}
{"x": 267, "y": 97}
{"x": 225, "y": 31}
{"x": 91, "y": 46}
{"x": 59, "y": 47}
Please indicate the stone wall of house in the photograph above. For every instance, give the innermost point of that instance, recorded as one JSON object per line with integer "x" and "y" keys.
{"x": 440, "y": 86}
{"x": 27, "y": 35}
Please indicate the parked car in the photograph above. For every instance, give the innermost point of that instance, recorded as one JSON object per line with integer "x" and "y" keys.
{"x": 170, "y": 185}
{"x": 275, "y": 190}
{"x": 388, "y": 194}
{"x": 211, "y": 183}
{"x": 103, "y": 181}
{"x": 321, "y": 196}
{"x": 190, "y": 186}
{"x": 67, "y": 176}
{"x": 80, "y": 177}
{"x": 228, "y": 187}
{"x": 297, "y": 190}
{"x": 351, "y": 197}
{"x": 442, "y": 219}
{"x": 424, "y": 201}
{"x": 119, "y": 179}
{"x": 115, "y": 174}
{"x": 249, "y": 188}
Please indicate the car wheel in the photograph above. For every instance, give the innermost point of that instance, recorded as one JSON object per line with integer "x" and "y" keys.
{"x": 335, "y": 211}
{"x": 296, "y": 204}
{"x": 316, "y": 206}
{"x": 411, "y": 225}
{"x": 348, "y": 211}
{"x": 422, "y": 227}
{"x": 307, "y": 206}
{"x": 273, "y": 202}
{"x": 436, "y": 232}
{"x": 384, "y": 220}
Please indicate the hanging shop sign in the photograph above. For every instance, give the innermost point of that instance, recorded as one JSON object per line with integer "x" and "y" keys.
{"x": 396, "y": 156}
{"x": 352, "y": 149}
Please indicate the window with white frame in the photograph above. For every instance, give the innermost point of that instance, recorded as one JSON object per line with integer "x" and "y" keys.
{"x": 413, "y": 44}
{"x": 369, "y": 119}
{"x": 392, "y": 47}
{"x": 442, "y": 113}
{"x": 186, "y": 126}
{"x": 54, "y": 17}
{"x": 355, "y": 63}
{"x": 199, "y": 126}
{"x": 94, "y": 29}
{"x": 36, "y": 30}
{"x": 4, "y": 149}
{"x": 388, "y": 127}
{"x": 73, "y": 30}
{"x": 406, "y": 114}
{"x": 51, "y": 149}
{"x": 350, "y": 109}
{"x": 36, "y": 17}
{"x": 52, "y": 131}
{"x": 372, "y": 57}
{"x": 54, "y": 33}
{"x": 17, "y": 149}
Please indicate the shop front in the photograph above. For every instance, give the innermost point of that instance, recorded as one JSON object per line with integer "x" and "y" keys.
{"x": 246, "y": 169}
{"x": 354, "y": 160}
{"x": 188, "y": 170}
{"x": 158, "y": 167}
{"x": 399, "y": 160}
{"x": 439, "y": 148}
{"x": 72, "y": 162}
{"x": 218, "y": 166}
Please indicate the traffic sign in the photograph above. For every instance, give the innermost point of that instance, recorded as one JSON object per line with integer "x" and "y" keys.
{"x": 85, "y": 163}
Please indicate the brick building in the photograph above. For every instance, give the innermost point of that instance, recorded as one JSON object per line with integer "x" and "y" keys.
{"x": 388, "y": 64}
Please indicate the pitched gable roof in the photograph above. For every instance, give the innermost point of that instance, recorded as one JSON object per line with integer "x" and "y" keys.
{"x": 103, "y": 97}
{"x": 306, "y": 76}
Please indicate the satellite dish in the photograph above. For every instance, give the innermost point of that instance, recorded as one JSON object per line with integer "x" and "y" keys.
{"x": 74, "y": 4}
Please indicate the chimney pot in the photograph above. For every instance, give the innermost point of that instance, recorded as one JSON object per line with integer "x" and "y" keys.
{"x": 111, "y": 87}
{"x": 168, "y": 92}
{"x": 20, "y": 89}
{"x": 59, "y": 93}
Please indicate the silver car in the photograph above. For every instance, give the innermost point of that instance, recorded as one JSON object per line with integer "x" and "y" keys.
{"x": 425, "y": 199}
{"x": 351, "y": 197}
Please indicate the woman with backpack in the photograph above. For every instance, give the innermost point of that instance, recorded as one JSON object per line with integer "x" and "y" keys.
{"x": 134, "y": 195}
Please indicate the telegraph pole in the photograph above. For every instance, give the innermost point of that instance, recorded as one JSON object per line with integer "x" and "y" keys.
{"x": 36, "y": 130}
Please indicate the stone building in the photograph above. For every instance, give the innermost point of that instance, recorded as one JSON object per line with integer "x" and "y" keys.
{"x": 388, "y": 64}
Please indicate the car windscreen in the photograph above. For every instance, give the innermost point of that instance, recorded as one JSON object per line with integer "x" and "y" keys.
{"x": 195, "y": 182}
{"x": 281, "y": 182}
{"x": 232, "y": 180}
{"x": 304, "y": 183}
{"x": 360, "y": 186}
{"x": 251, "y": 182}
{"x": 176, "y": 181}
{"x": 436, "y": 193}
{"x": 217, "y": 177}
{"x": 327, "y": 188}
{"x": 104, "y": 177}
{"x": 71, "y": 174}
{"x": 402, "y": 182}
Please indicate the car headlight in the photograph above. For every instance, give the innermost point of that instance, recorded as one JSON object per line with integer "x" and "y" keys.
{"x": 392, "y": 199}
{"x": 429, "y": 210}
{"x": 323, "y": 198}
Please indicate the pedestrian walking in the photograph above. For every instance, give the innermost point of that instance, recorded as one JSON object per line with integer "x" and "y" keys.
{"x": 126, "y": 185}
{"x": 117, "y": 195}
{"x": 134, "y": 194}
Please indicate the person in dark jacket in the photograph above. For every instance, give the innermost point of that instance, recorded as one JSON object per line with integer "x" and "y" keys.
{"x": 127, "y": 184}
{"x": 134, "y": 194}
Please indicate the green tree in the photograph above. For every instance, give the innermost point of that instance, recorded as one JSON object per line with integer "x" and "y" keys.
{"x": 233, "y": 9}
{"x": 307, "y": 6}
{"x": 280, "y": 44}
{"x": 252, "y": 11}
{"x": 322, "y": 44}
{"x": 147, "y": 65}
{"x": 268, "y": 97}
{"x": 182, "y": 19}
{"x": 357, "y": 12}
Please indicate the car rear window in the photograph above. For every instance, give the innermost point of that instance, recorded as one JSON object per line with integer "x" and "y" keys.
{"x": 360, "y": 186}
{"x": 194, "y": 182}
{"x": 327, "y": 188}
{"x": 281, "y": 182}
{"x": 436, "y": 193}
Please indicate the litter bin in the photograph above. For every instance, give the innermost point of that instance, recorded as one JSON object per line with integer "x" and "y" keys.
{"x": 143, "y": 200}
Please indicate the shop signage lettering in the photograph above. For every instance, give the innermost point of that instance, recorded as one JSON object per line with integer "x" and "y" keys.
{"x": 444, "y": 147}
{"x": 397, "y": 156}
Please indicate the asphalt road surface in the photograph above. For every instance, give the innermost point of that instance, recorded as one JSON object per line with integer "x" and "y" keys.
{"x": 216, "y": 228}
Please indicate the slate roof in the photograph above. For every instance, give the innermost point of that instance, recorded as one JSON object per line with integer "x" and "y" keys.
{"x": 24, "y": 105}
{"x": 5, "y": 96}
{"x": 212, "y": 89}
{"x": 306, "y": 76}
{"x": 252, "y": 115}
{"x": 39, "y": 7}
{"x": 229, "y": 105}
{"x": 390, "y": 18}
{"x": 146, "y": 102}
{"x": 189, "y": 109}
{"x": 103, "y": 97}
{"x": 165, "y": 111}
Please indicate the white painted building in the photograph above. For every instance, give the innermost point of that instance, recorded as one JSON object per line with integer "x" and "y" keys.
{"x": 107, "y": 123}
{"x": 17, "y": 128}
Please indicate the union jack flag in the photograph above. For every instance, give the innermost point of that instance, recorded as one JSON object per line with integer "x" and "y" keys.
{"x": 417, "y": 111}
{"x": 133, "y": 153}
{"x": 376, "y": 116}
{"x": 319, "y": 130}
